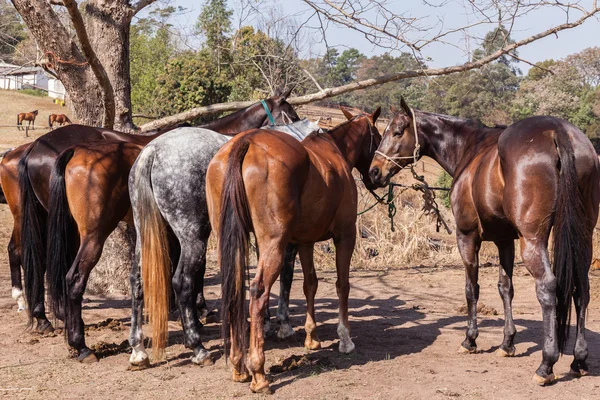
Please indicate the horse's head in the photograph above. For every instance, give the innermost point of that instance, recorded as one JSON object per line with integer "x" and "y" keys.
{"x": 398, "y": 147}
{"x": 35, "y": 112}
{"x": 369, "y": 143}
{"x": 282, "y": 111}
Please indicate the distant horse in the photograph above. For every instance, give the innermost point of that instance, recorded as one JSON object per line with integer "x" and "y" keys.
{"x": 522, "y": 181}
{"x": 283, "y": 191}
{"x": 30, "y": 117}
{"x": 88, "y": 197}
{"x": 60, "y": 119}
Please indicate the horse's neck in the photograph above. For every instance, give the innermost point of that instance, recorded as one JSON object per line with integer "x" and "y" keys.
{"x": 348, "y": 139}
{"x": 238, "y": 122}
{"x": 451, "y": 141}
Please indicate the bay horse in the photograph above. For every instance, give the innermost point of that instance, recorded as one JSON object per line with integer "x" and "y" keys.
{"x": 284, "y": 191}
{"x": 516, "y": 182}
{"x": 89, "y": 197}
{"x": 60, "y": 119}
{"x": 29, "y": 116}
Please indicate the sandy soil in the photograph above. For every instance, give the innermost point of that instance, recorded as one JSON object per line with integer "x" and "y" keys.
{"x": 406, "y": 322}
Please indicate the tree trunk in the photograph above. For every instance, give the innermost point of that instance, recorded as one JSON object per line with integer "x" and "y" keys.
{"x": 107, "y": 23}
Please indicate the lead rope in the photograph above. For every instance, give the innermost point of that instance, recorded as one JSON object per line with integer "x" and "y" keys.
{"x": 266, "y": 107}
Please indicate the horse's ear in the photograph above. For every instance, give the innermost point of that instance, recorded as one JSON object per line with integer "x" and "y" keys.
{"x": 405, "y": 107}
{"x": 287, "y": 93}
{"x": 393, "y": 109}
{"x": 346, "y": 112}
{"x": 375, "y": 115}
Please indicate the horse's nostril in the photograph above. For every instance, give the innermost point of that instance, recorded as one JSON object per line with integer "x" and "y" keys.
{"x": 375, "y": 172}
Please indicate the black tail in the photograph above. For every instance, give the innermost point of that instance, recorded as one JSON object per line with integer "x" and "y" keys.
{"x": 18, "y": 123}
{"x": 234, "y": 233}
{"x": 49, "y": 121}
{"x": 33, "y": 241}
{"x": 572, "y": 242}
{"x": 62, "y": 236}
{"x": 68, "y": 120}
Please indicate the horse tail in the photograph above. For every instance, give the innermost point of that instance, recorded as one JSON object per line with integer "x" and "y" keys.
{"x": 61, "y": 232}
{"x": 50, "y": 121}
{"x": 572, "y": 242}
{"x": 155, "y": 264}
{"x": 68, "y": 120}
{"x": 33, "y": 238}
{"x": 234, "y": 233}
{"x": 18, "y": 121}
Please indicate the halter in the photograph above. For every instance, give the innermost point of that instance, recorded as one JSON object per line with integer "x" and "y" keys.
{"x": 266, "y": 107}
{"x": 416, "y": 152}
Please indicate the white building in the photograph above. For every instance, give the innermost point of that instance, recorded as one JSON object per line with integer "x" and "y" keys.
{"x": 15, "y": 77}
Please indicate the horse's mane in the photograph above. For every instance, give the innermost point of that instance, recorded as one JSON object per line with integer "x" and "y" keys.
{"x": 474, "y": 124}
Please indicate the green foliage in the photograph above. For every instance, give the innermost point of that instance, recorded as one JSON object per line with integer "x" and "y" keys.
{"x": 445, "y": 181}
{"x": 34, "y": 92}
{"x": 12, "y": 31}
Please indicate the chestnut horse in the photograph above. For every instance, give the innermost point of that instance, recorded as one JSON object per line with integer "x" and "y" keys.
{"x": 89, "y": 196}
{"x": 284, "y": 191}
{"x": 30, "y": 117}
{"x": 522, "y": 181}
{"x": 60, "y": 119}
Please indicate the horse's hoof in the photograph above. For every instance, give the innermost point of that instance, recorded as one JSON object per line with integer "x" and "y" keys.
{"x": 203, "y": 359}
{"x": 503, "y": 353}
{"x": 144, "y": 364}
{"x": 346, "y": 347}
{"x": 261, "y": 387}
{"x": 237, "y": 377}
{"x": 463, "y": 350}
{"x": 285, "y": 331}
{"x": 88, "y": 359}
{"x": 312, "y": 344}
{"x": 540, "y": 380}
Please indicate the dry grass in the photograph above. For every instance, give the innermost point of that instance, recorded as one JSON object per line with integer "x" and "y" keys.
{"x": 13, "y": 103}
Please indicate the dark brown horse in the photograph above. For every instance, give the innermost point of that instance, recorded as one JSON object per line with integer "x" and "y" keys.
{"x": 92, "y": 189}
{"x": 60, "y": 119}
{"x": 517, "y": 182}
{"x": 284, "y": 191}
{"x": 29, "y": 116}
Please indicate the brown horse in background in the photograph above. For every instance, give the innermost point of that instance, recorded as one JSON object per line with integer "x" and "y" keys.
{"x": 517, "y": 182}
{"x": 60, "y": 119}
{"x": 30, "y": 116}
{"x": 284, "y": 191}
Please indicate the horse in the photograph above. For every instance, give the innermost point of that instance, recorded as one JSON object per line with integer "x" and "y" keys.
{"x": 516, "y": 182}
{"x": 283, "y": 191}
{"x": 61, "y": 119}
{"x": 30, "y": 116}
{"x": 88, "y": 198}
{"x": 162, "y": 204}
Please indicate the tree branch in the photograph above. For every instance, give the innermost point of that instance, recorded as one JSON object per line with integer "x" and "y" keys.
{"x": 108, "y": 95}
{"x": 331, "y": 92}
{"x": 137, "y": 7}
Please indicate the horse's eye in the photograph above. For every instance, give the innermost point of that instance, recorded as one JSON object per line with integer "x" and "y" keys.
{"x": 398, "y": 133}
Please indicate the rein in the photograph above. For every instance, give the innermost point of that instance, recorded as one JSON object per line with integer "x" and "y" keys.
{"x": 416, "y": 151}
{"x": 266, "y": 107}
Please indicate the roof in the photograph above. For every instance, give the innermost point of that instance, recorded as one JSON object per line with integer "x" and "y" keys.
{"x": 9, "y": 69}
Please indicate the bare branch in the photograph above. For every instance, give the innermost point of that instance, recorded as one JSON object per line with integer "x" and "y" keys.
{"x": 108, "y": 95}
{"x": 137, "y": 7}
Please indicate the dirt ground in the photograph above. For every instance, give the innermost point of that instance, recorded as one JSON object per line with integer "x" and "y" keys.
{"x": 407, "y": 323}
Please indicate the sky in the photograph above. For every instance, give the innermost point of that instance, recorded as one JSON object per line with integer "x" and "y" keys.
{"x": 436, "y": 55}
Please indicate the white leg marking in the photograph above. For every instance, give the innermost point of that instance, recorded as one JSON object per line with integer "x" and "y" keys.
{"x": 17, "y": 294}
{"x": 138, "y": 354}
{"x": 203, "y": 354}
{"x": 346, "y": 344}
{"x": 285, "y": 331}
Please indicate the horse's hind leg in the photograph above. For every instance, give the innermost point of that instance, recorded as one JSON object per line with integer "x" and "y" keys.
{"x": 14, "y": 259}
{"x": 267, "y": 271}
{"x": 580, "y": 351}
{"x": 285, "y": 286}
{"x": 139, "y": 356}
{"x": 537, "y": 261}
{"x": 192, "y": 264}
{"x": 468, "y": 246}
{"x": 311, "y": 284}
{"x": 506, "y": 250}
{"x": 344, "y": 247}
{"x": 77, "y": 277}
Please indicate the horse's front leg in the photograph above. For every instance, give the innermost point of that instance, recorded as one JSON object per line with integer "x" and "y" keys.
{"x": 344, "y": 247}
{"x": 139, "y": 357}
{"x": 468, "y": 246}
{"x": 285, "y": 287}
